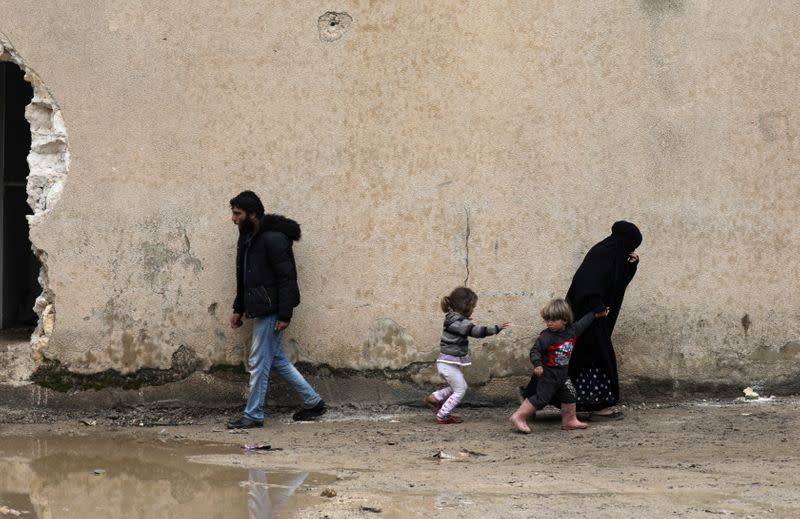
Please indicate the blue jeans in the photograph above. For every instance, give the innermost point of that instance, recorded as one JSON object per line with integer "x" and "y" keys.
{"x": 266, "y": 352}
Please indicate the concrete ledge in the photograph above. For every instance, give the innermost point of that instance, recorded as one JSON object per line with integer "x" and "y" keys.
{"x": 227, "y": 389}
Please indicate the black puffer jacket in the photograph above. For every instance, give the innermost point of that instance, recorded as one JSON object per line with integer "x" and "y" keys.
{"x": 266, "y": 276}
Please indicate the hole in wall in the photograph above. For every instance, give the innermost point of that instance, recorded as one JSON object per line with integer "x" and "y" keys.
{"x": 37, "y": 156}
{"x": 332, "y": 26}
{"x": 19, "y": 267}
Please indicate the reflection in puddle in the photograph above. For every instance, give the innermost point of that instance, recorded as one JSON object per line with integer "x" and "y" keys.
{"x": 88, "y": 477}
{"x": 266, "y": 499}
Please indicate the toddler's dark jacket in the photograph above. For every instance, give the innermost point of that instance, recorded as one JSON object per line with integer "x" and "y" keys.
{"x": 553, "y": 349}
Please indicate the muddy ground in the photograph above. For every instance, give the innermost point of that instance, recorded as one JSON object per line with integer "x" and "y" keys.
{"x": 705, "y": 458}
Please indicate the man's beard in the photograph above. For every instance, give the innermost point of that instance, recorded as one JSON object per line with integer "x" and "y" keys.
{"x": 247, "y": 226}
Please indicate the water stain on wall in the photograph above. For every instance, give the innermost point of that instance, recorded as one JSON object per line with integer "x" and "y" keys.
{"x": 746, "y": 322}
{"x": 660, "y": 8}
{"x": 388, "y": 345}
{"x": 774, "y": 126}
{"x": 787, "y": 353}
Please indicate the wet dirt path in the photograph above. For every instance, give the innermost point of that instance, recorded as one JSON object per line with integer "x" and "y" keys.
{"x": 699, "y": 459}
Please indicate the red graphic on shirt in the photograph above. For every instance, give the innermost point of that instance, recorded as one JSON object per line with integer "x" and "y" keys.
{"x": 558, "y": 354}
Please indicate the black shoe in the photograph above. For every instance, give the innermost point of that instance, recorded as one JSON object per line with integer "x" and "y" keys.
{"x": 244, "y": 422}
{"x": 614, "y": 415}
{"x": 309, "y": 415}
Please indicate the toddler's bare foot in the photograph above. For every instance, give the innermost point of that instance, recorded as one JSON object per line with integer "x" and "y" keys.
{"x": 519, "y": 423}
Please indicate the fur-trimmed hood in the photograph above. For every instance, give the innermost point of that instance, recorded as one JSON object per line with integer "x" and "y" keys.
{"x": 279, "y": 223}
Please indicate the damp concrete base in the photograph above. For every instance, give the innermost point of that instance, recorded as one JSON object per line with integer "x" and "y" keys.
{"x": 227, "y": 389}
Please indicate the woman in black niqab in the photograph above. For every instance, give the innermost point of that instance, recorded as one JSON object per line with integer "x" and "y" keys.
{"x": 600, "y": 282}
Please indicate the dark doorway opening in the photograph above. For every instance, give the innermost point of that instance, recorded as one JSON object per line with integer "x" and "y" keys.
{"x": 19, "y": 268}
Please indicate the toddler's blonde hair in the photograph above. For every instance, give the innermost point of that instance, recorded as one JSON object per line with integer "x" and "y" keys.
{"x": 557, "y": 309}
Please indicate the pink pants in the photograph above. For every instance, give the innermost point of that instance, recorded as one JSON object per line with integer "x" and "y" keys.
{"x": 453, "y": 394}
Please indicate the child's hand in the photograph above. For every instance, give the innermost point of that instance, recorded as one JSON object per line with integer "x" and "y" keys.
{"x": 602, "y": 313}
{"x": 504, "y": 324}
{"x": 537, "y": 371}
{"x": 633, "y": 257}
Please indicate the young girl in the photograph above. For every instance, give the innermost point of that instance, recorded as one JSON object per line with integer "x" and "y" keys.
{"x": 550, "y": 357}
{"x": 454, "y": 348}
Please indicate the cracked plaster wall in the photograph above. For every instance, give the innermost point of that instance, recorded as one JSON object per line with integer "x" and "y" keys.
{"x": 406, "y": 138}
{"x": 48, "y": 163}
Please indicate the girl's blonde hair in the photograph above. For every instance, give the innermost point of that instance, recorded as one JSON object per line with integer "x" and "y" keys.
{"x": 461, "y": 300}
{"x": 557, "y": 309}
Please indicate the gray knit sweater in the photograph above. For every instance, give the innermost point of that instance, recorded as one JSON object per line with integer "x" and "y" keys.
{"x": 456, "y": 330}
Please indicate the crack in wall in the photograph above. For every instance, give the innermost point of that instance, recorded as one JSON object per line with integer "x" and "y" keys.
{"x": 466, "y": 244}
{"x": 48, "y": 164}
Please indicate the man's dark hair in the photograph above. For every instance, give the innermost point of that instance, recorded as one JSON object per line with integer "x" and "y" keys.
{"x": 249, "y": 203}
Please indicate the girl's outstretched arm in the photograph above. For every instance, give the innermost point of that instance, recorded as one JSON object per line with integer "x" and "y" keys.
{"x": 468, "y": 328}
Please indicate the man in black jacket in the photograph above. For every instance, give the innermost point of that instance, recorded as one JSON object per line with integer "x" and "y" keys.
{"x": 266, "y": 291}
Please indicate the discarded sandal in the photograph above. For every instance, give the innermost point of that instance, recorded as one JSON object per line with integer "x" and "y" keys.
{"x": 449, "y": 419}
{"x": 614, "y": 415}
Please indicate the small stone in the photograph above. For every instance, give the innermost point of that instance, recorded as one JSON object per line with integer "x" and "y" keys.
{"x": 328, "y": 492}
{"x": 4, "y": 510}
{"x": 442, "y": 455}
{"x": 750, "y": 394}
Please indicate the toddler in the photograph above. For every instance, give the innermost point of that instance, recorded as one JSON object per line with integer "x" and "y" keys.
{"x": 550, "y": 357}
{"x": 454, "y": 348}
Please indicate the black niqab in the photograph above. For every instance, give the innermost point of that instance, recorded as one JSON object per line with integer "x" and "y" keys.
{"x": 604, "y": 275}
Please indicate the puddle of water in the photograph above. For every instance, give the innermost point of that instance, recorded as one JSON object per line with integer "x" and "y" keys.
{"x": 84, "y": 477}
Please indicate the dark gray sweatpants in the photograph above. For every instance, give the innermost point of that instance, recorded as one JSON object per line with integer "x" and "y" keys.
{"x": 553, "y": 382}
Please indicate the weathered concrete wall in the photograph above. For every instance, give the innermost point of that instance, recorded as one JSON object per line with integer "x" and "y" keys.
{"x": 422, "y": 145}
